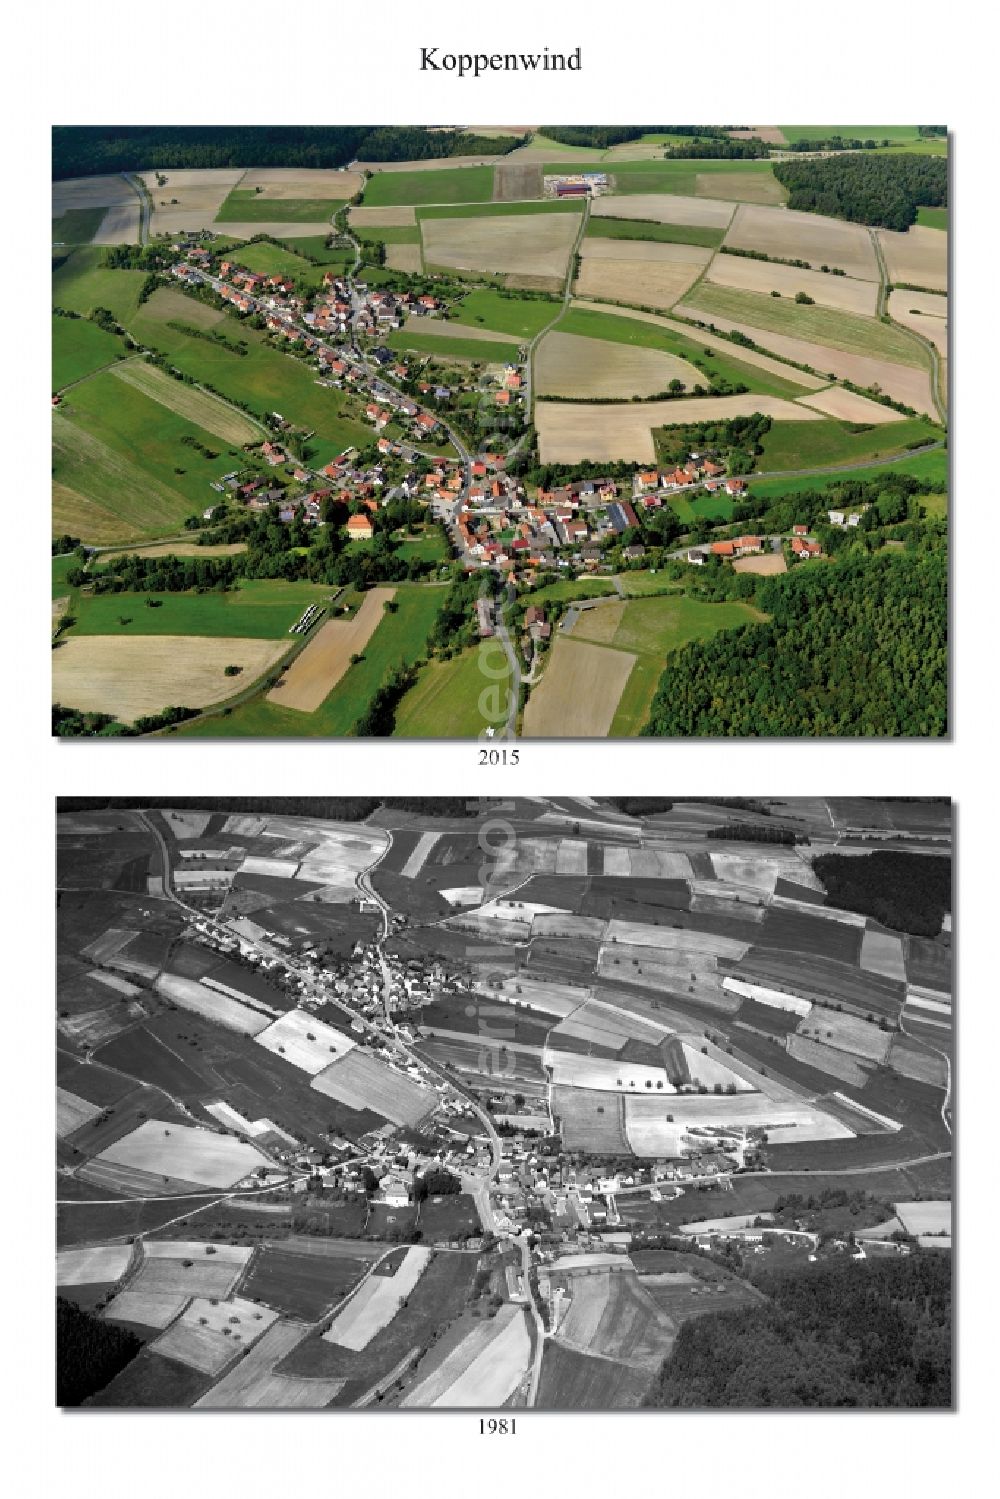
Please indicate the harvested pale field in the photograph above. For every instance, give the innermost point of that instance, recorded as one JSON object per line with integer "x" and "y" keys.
{"x": 913, "y": 1060}
{"x": 302, "y": 182}
{"x": 147, "y": 1308}
{"x": 363, "y": 1082}
{"x": 805, "y": 236}
{"x": 570, "y": 1069}
{"x": 172, "y": 1249}
{"x": 315, "y": 672}
{"x": 848, "y": 406}
{"x": 785, "y": 1121}
{"x": 845, "y": 1032}
{"x": 428, "y": 164}
{"x": 923, "y": 313}
{"x": 192, "y": 1273}
{"x": 918, "y": 257}
{"x": 495, "y": 1373}
{"x": 186, "y": 1153}
{"x": 579, "y": 691}
{"x": 536, "y": 244}
{"x": 710, "y": 1071}
{"x": 665, "y": 208}
{"x": 591, "y": 1122}
{"x": 741, "y": 187}
{"x": 131, "y": 677}
{"x": 277, "y": 228}
{"x": 441, "y": 1378}
{"x": 253, "y": 1385}
{"x": 109, "y": 943}
{"x": 645, "y": 250}
{"x": 882, "y": 952}
{"x": 765, "y": 567}
{"x": 838, "y": 1064}
{"x": 185, "y": 824}
{"x": 97, "y": 1264}
{"x": 571, "y": 856}
{"x": 72, "y": 1112}
{"x": 403, "y": 258}
{"x": 925, "y": 1217}
{"x": 279, "y": 869}
{"x": 210, "y": 1334}
{"x": 684, "y": 973}
{"x": 462, "y": 895}
{"x": 769, "y": 134}
{"x": 438, "y": 328}
{"x": 762, "y": 872}
{"x": 658, "y": 864}
{"x": 567, "y": 365}
{"x": 572, "y": 432}
{"x": 376, "y": 1302}
{"x": 846, "y": 293}
{"x": 710, "y": 341}
{"x": 775, "y": 999}
{"x": 418, "y": 856}
{"x": 199, "y": 195}
{"x": 588, "y": 1300}
{"x": 514, "y": 181}
{"x": 194, "y": 405}
{"x": 654, "y": 283}
{"x": 399, "y": 216}
{"x": 605, "y": 1027}
{"x": 305, "y": 1041}
{"x": 740, "y": 903}
{"x": 120, "y": 225}
{"x": 903, "y": 382}
{"x": 192, "y": 994}
{"x": 90, "y": 192}
{"x": 540, "y": 994}
{"x": 343, "y": 851}
{"x": 616, "y": 861}
{"x": 601, "y": 625}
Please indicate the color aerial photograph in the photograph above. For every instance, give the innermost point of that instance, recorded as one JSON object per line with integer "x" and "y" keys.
{"x": 555, "y": 1104}
{"x": 470, "y": 432}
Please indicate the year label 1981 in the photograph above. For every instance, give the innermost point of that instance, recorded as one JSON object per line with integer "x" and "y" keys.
{"x": 497, "y": 1426}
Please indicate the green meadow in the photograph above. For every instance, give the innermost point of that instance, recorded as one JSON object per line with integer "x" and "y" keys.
{"x": 244, "y": 206}
{"x": 812, "y": 444}
{"x": 443, "y": 185}
{"x": 264, "y": 608}
{"x": 522, "y": 317}
{"x": 79, "y": 347}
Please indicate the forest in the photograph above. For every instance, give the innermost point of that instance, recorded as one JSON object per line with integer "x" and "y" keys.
{"x": 875, "y": 1335}
{"x": 865, "y": 188}
{"x": 330, "y": 808}
{"x": 905, "y": 892}
{"x": 89, "y": 1353}
{"x": 856, "y": 648}
{"x": 88, "y": 150}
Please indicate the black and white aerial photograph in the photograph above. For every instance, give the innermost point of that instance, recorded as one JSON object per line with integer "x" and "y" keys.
{"x": 551, "y": 1104}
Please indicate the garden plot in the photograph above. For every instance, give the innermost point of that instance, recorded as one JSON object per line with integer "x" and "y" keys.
{"x": 569, "y": 1069}
{"x": 98, "y": 1264}
{"x": 418, "y": 858}
{"x": 147, "y": 1308}
{"x": 846, "y": 1033}
{"x": 376, "y": 1302}
{"x": 135, "y": 676}
{"x": 582, "y": 684}
{"x": 848, "y": 406}
{"x": 650, "y": 272}
{"x": 903, "y": 382}
{"x": 791, "y": 235}
{"x": 882, "y": 952}
{"x": 253, "y": 1384}
{"x": 305, "y": 1041}
{"x": 72, "y": 1112}
{"x": 315, "y": 672}
{"x": 190, "y": 200}
{"x": 191, "y": 994}
{"x": 846, "y": 293}
{"x": 363, "y": 1082}
{"x": 535, "y": 244}
{"x": 211, "y": 1333}
{"x": 665, "y": 208}
{"x": 572, "y": 432}
{"x": 924, "y": 313}
{"x": 187, "y": 1154}
{"x": 918, "y": 257}
{"x": 569, "y": 365}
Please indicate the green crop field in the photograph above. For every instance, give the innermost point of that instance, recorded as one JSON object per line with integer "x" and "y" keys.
{"x": 678, "y": 176}
{"x": 838, "y": 330}
{"x": 444, "y": 702}
{"x": 77, "y": 226}
{"x": 811, "y": 444}
{"x": 265, "y": 379}
{"x": 79, "y": 348}
{"x": 894, "y": 133}
{"x": 496, "y": 210}
{"x": 449, "y": 185}
{"x": 588, "y": 323}
{"x": 933, "y": 218}
{"x": 505, "y": 313}
{"x": 933, "y": 467}
{"x": 244, "y": 206}
{"x": 400, "y": 638}
{"x": 81, "y": 282}
{"x": 482, "y": 351}
{"x": 674, "y": 234}
{"x": 262, "y": 608}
